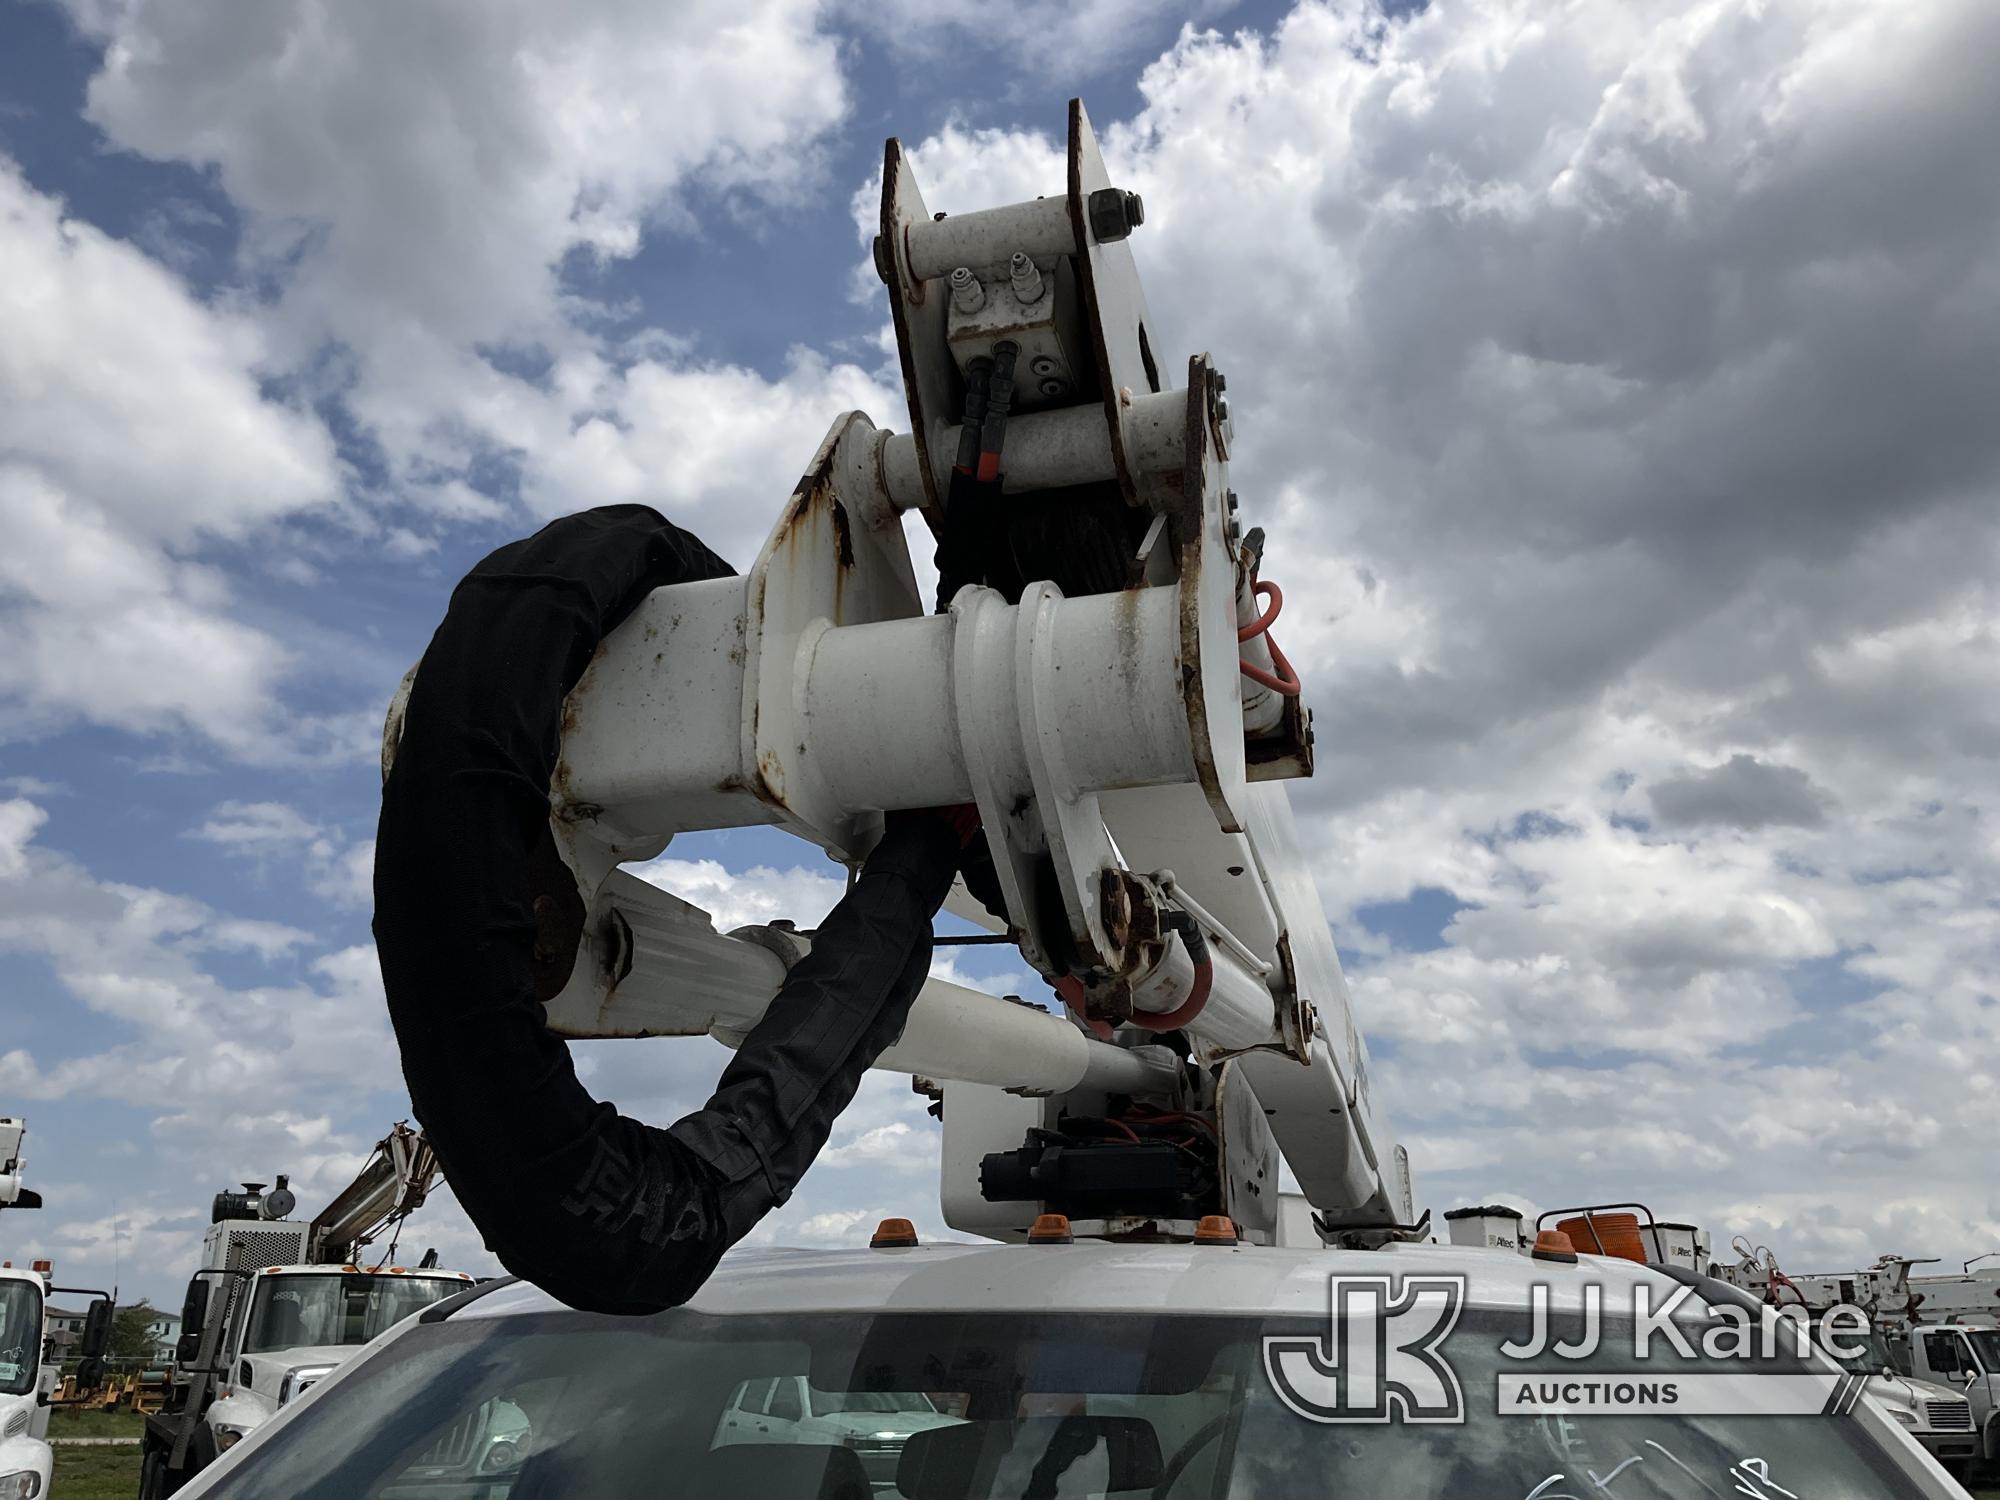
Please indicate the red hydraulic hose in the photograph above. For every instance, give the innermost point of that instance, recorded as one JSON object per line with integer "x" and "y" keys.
{"x": 1071, "y": 990}
{"x": 1287, "y": 684}
{"x": 1187, "y": 1010}
{"x": 1263, "y": 588}
{"x": 1196, "y": 943}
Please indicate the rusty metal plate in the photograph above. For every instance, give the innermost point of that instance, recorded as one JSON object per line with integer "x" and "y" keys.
{"x": 821, "y": 567}
{"x": 929, "y": 377}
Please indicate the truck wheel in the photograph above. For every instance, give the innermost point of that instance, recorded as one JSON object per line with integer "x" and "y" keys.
{"x": 153, "y": 1475}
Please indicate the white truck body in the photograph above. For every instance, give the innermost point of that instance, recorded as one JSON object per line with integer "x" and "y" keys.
{"x": 260, "y": 1327}
{"x": 1964, "y": 1357}
{"x": 25, "y": 1459}
{"x": 269, "y": 1366}
{"x": 1110, "y": 1339}
{"x": 1153, "y": 1332}
{"x": 1937, "y": 1416}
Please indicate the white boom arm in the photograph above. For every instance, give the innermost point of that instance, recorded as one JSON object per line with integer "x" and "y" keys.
{"x": 14, "y": 1192}
{"x": 1127, "y": 772}
{"x": 393, "y": 1184}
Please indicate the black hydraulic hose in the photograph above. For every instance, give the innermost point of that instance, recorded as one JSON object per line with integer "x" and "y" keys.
{"x": 477, "y": 920}
{"x": 973, "y": 539}
{"x": 977, "y": 374}
{"x": 999, "y": 400}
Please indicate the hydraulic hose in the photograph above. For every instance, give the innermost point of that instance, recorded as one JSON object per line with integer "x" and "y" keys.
{"x": 478, "y": 919}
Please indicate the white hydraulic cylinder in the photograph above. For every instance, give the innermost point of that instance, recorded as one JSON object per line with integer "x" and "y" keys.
{"x": 652, "y": 966}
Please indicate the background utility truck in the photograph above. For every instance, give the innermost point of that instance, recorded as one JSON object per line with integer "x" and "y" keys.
{"x": 28, "y": 1376}
{"x": 1142, "y": 1316}
{"x": 277, "y": 1305}
{"x": 1949, "y": 1414}
{"x": 1966, "y": 1358}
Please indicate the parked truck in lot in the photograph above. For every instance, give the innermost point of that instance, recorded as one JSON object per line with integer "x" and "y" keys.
{"x": 1963, "y": 1357}
{"x": 1145, "y": 1316}
{"x": 25, "y": 1460}
{"x": 278, "y": 1304}
{"x": 1938, "y": 1416}
{"x": 29, "y": 1370}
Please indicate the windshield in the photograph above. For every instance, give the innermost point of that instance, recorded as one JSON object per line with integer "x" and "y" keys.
{"x": 1874, "y": 1357}
{"x": 336, "y": 1308}
{"x": 1171, "y": 1408}
{"x": 1986, "y": 1344}
{"x": 20, "y": 1336}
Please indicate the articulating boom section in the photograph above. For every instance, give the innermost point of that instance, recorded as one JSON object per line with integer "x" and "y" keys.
{"x": 14, "y": 1193}
{"x": 1100, "y": 682}
{"x": 391, "y": 1186}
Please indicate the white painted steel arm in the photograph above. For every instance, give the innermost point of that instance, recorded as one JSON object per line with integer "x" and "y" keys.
{"x": 653, "y": 966}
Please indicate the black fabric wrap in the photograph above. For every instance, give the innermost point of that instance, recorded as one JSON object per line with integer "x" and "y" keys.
{"x": 477, "y": 919}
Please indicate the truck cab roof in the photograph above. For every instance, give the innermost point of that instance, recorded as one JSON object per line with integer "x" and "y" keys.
{"x": 1103, "y": 1276}
{"x": 1002, "y": 1344}
{"x": 432, "y": 1273}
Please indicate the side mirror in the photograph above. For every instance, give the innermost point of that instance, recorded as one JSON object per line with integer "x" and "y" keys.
{"x": 96, "y": 1329}
{"x": 194, "y": 1306}
{"x": 89, "y": 1374}
{"x": 187, "y": 1348}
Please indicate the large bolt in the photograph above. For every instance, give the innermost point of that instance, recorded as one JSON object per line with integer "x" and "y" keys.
{"x": 967, "y": 295}
{"x": 1114, "y": 214}
{"x": 1115, "y": 907}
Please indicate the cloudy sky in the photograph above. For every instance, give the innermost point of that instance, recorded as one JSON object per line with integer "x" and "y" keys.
{"x": 1616, "y": 380}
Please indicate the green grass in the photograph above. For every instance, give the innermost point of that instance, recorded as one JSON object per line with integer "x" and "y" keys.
{"x": 108, "y": 1473}
{"x": 96, "y": 1473}
{"x": 74, "y": 1423}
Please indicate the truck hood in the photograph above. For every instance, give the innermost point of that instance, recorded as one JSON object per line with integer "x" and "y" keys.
{"x": 268, "y": 1371}
{"x": 1894, "y": 1390}
{"x": 897, "y": 1423}
{"x": 1930, "y": 1390}
{"x": 1910, "y": 1395}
